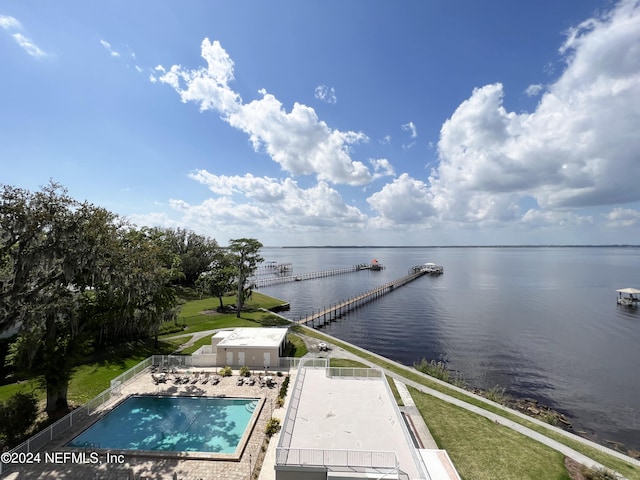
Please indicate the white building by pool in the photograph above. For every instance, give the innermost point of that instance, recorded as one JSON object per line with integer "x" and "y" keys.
{"x": 251, "y": 347}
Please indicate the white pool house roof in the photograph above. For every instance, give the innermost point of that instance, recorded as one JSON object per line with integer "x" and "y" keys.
{"x": 254, "y": 338}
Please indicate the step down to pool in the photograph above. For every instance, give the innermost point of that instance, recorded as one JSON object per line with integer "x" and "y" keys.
{"x": 251, "y": 406}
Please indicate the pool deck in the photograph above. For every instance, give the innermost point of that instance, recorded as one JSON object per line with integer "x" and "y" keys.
{"x": 167, "y": 467}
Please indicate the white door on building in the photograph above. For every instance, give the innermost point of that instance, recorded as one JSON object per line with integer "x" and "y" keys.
{"x": 230, "y": 358}
{"x": 267, "y": 359}
{"x": 241, "y": 359}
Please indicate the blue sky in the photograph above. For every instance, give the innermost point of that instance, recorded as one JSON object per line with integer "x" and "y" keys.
{"x": 333, "y": 123}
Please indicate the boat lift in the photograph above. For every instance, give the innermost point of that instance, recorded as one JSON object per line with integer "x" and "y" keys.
{"x": 628, "y": 297}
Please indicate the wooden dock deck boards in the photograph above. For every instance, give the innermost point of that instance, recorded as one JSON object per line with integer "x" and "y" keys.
{"x": 332, "y": 312}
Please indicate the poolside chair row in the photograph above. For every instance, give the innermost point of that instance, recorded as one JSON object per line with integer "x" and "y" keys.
{"x": 198, "y": 377}
{"x": 261, "y": 381}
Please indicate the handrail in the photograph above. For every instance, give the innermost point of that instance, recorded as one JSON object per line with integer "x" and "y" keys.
{"x": 353, "y": 459}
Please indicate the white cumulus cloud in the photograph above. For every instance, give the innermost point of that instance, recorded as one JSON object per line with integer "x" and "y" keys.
{"x": 623, "y": 217}
{"x": 297, "y": 140}
{"x": 577, "y": 149}
{"x": 405, "y": 200}
{"x": 267, "y": 203}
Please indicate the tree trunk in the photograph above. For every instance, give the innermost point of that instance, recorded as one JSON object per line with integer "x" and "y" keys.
{"x": 239, "y": 296}
{"x": 56, "y": 369}
{"x": 56, "y": 396}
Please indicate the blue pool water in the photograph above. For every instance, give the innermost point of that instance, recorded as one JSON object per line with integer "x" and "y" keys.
{"x": 172, "y": 424}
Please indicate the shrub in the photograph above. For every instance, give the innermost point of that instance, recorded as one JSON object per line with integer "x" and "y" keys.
{"x": 18, "y": 414}
{"x": 226, "y": 371}
{"x": 496, "y": 394}
{"x": 170, "y": 328}
{"x": 273, "y": 425}
{"x": 284, "y": 387}
{"x": 440, "y": 371}
{"x": 279, "y": 402}
{"x": 244, "y": 371}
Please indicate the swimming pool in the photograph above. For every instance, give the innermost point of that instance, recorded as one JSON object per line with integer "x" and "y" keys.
{"x": 171, "y": 424}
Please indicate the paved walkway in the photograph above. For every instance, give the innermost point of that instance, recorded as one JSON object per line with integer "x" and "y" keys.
{"x": 420, "y": 429}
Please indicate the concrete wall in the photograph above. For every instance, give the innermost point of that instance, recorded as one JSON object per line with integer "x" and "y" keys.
{"x": 204, "y": 360}
{"x": 253, "y": 357}
{"x": 300, "y": 473}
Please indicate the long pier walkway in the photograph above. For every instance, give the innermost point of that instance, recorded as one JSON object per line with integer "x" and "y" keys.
{"x": 265, "y": 282}
{"x": 331, "y": 313}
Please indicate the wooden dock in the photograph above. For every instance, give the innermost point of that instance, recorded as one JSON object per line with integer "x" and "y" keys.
{"x": 328, "y": 314}
{"x": 265, "y": 282}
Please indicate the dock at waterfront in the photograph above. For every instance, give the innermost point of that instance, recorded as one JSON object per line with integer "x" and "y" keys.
{"x": 326, "y": 314}
{"x": 265, "y": 282}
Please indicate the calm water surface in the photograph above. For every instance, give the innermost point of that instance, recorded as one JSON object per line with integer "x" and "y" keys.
{"x": 542, "y": 322}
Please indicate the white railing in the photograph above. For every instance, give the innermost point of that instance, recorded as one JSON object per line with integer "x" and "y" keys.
{"x": 56, "y": 429}
{"x": 308, "y": 362}
{"x": 364, "y": 372}
{"x": 132, "y": 372}
{"x": 292, "y": 410}
{"x": 337, "y": 458}
{"x": 40, "y": 439}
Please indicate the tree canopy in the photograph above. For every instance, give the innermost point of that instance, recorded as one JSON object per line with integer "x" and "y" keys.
{"x": 246, "y": 257}
{"x": 74, "y": 276}
{"x": 71, "y": 275}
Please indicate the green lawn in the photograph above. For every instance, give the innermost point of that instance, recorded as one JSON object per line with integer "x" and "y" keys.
{"x": 394, "y": 390}
{"x": 94, "y": 376}
{"x": 193, "y": 317}
{"x": 346, "y": 362}
{"x": 483, "y": 450}
{"x": 299, "y": 348}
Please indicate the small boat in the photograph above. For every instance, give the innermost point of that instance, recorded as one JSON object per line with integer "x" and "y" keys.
{"x": 628, "y": 297}
{"x": 375, "y": 265}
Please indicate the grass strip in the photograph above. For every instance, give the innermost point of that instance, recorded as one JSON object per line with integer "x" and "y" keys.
{"x": 394, "y": 390}
{"x": 483, "y": 450}
{"x": 298, "y": 349}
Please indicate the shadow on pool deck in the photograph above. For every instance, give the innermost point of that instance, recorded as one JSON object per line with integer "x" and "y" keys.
{"x": 163, "y": 465}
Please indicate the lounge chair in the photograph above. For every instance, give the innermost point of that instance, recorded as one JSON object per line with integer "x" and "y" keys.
{"x": 239, "y": 381}
{"x": 206, "y": 378}
{"x": 196, "y": 376}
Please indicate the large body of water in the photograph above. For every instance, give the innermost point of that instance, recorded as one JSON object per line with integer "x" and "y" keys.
{"x": 542, "y": 322}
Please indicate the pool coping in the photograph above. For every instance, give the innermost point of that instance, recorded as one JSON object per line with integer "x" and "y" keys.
{"x": 168, "y": 454}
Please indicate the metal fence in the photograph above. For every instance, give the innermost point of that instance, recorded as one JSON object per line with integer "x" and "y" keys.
{"x": 56, "y": 429}
{"x": 309, "y": 362}
{"x": 40, "y": 439}
{"x": 286, "y": 432}
{"x": 354, "y": 459}
{"x": 132, "y": 372}
{"x": 354, "y": 372}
